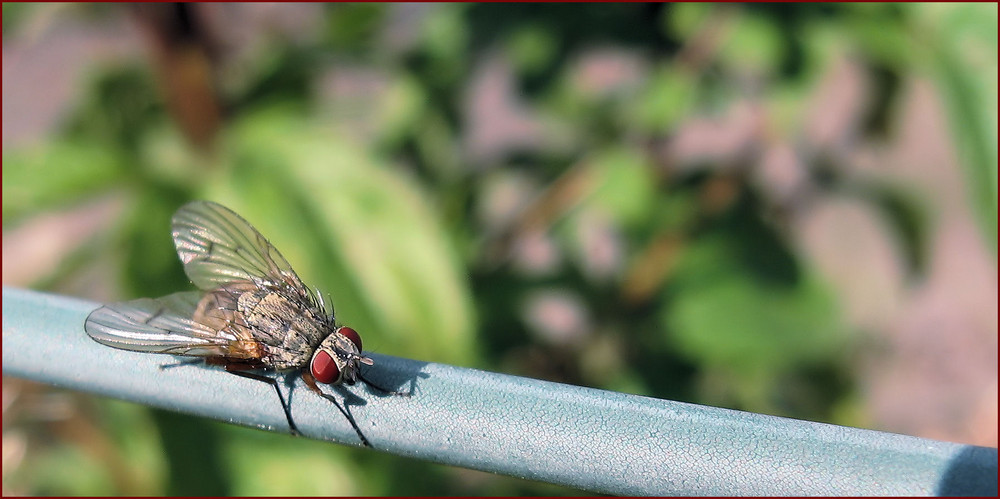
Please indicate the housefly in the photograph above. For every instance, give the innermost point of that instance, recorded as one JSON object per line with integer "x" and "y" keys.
{"x": 252, "y": 311}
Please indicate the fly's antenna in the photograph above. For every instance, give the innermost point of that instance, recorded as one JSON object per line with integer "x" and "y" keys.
{"x": 356, "y": 356}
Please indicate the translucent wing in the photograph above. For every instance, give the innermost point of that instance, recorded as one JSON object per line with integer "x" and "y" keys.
{"x": 219, "y": 247}
{"x": 188, "y": 323}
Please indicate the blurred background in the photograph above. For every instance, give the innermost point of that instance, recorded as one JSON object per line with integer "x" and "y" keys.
{"x": 785, "y": 209}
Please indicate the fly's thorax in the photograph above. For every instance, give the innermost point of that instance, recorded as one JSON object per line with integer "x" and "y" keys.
{"x": 259, "y": 304}
{"x": 338, "y": 357}
{"x": 290, "y": 327}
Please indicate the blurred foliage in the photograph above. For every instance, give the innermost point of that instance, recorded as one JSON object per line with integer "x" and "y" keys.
{"x": 575, "y": 251}
{"x": 962, "y": 41}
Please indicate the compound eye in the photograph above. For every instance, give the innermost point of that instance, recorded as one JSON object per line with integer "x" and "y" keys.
{"x": 324, "y": 369}
{"x": 351, "y": 335}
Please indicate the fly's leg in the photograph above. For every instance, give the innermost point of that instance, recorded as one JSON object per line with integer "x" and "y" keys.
{"x": 271, "y": 381}
{"x": 311, "y": 383}
{"x": 179, "y": 363}
{"x": 240, "y": 369}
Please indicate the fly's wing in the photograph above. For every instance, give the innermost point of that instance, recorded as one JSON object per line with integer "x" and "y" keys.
{"x": 188, "y": 323}
{"x": 218, "y": 247}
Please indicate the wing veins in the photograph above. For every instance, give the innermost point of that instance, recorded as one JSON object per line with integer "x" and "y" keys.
{"x": 163, "y": 325}
{"x": 218, "y": 246}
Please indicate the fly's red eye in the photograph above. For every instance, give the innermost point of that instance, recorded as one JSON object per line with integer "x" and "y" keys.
{"x": 324, "y": 369}
{"x": 351, "y": 335}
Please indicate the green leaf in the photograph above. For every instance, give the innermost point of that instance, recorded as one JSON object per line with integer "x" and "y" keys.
{"x": 755, "y": 45}
{"x": 626, "y": 187}
{"x": 668, "y": 97}
{"x": 964, "y": 54}
{"x": 532, "y": 49}
{"x": 42, "y": 177}
{"x": 726, "y": 316}
{"x": 295, "y": 467}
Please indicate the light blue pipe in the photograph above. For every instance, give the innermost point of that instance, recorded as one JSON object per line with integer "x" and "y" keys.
{"x": 581, "y": 437}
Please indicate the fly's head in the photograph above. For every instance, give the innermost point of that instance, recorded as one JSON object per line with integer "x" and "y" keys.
{"x": 338, "y": 358}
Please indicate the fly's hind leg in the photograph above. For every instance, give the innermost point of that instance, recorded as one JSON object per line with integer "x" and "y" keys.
{"x": 241, "y": 369}
{"x": 311, "y": 383}
{"x": 187, "y": 362}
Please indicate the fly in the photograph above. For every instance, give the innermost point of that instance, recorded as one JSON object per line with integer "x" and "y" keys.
{"x": 252, "y": 311}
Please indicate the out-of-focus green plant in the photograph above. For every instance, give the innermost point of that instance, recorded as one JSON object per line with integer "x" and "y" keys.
{"x": 352, "y": 150}
{"x": 961, "y": 41}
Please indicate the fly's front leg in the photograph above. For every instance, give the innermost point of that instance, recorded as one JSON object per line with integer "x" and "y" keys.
{"x": 311, "y": 383}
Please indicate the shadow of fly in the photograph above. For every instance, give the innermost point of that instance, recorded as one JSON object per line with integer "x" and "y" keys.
{"x": 252, "y": 312}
